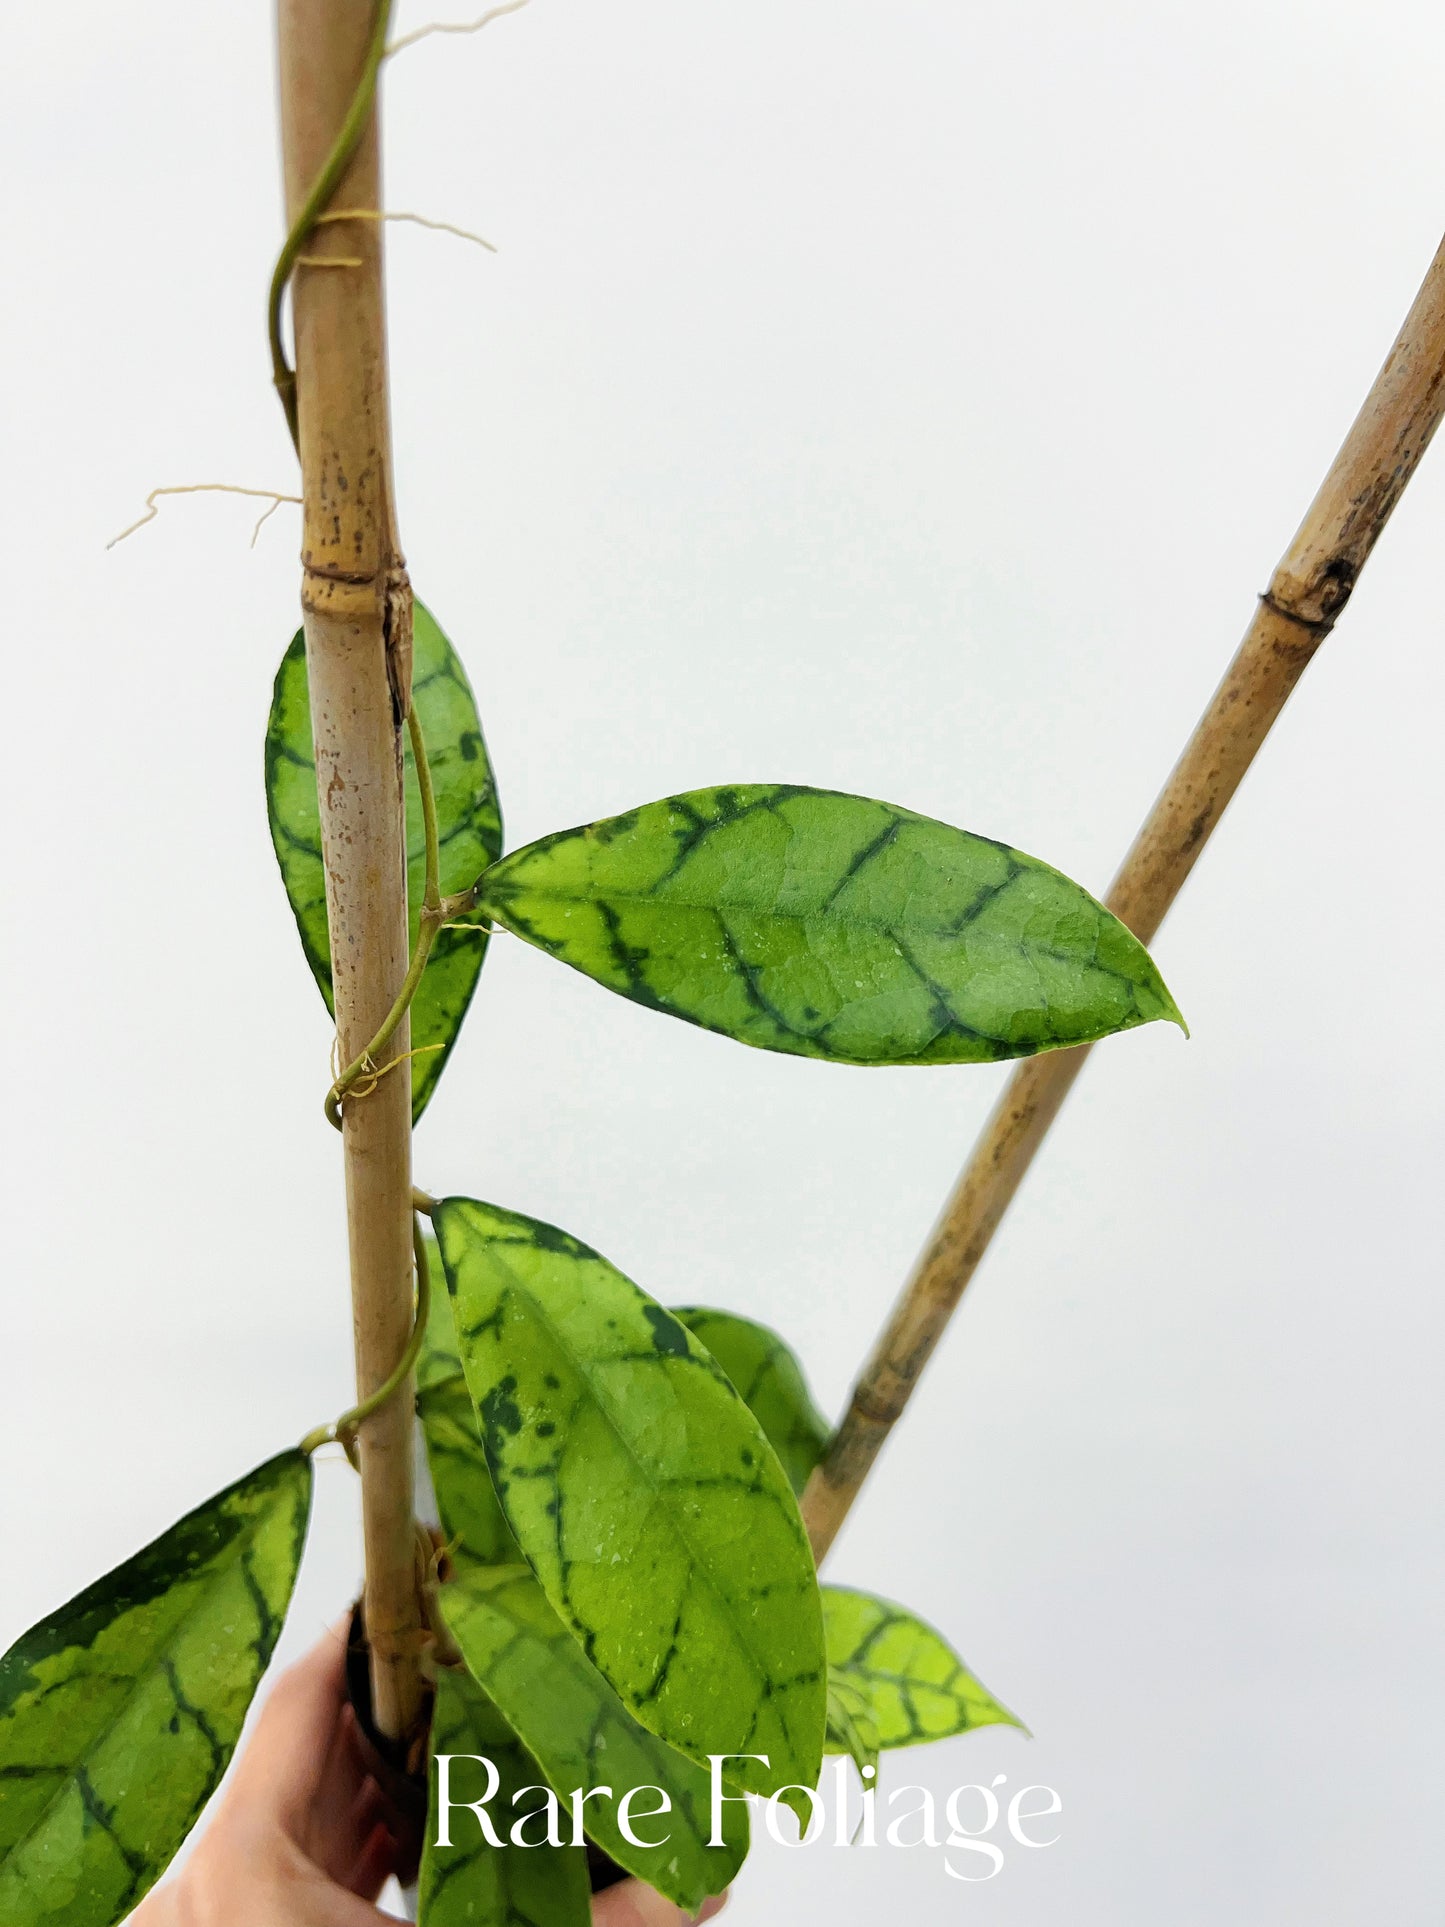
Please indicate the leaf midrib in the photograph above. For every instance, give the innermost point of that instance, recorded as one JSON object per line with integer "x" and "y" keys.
{"x": 1024, "y": 947}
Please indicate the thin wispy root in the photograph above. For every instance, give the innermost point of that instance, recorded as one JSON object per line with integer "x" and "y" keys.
{"x": 454, "y": 26}
{"x": 393, "y": 214}
{"x": 271, "y": 495}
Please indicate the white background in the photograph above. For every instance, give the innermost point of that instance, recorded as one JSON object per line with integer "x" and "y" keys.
{"x": 908, "y": 399}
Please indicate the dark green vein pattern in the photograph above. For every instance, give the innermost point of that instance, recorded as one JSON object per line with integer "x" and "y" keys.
{"x": 585, "y": 1737}
{"x": 470, "y": 1884}
{"x": 119, "y": 1713}
{"x": 643, "y": 1493}
{"x": 911, "y": 1684}
{"x": 829, "y": 926}
{"x": 468, "y": 820}
{"x": 468, "y": 1510}
{"x": 770, "y": 1382}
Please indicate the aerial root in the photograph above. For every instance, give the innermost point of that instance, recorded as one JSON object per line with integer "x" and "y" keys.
{"x": 391, "y": 214}
{"x": 271, "y": 495}
{"x": 454, "y": 26}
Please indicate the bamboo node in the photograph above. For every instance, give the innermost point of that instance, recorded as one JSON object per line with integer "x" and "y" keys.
{"x": 1318, "y": 626}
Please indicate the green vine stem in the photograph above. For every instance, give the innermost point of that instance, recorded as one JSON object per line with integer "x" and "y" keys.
{"x": 435, "y": 910}
{"x": 352, "y": 128}
{"x": 343, "y": 1430}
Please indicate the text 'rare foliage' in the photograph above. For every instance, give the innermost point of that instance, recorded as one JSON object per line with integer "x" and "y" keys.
{"x": 583, "y": 1735}
{"x": 470, "y": 1881}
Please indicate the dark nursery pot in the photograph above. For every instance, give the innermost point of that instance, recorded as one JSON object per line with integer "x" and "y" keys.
{"x": 408, "y": 1793}
{"x": 405, "y": 1792}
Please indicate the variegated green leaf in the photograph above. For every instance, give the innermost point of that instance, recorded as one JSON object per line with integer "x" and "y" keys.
{"x": 440, "y": 1359}
{"x": 643, "y": 1493}
{"x": 829, "y": 926}
{"x": 770, "y": 1382}
{"x": 585, "y": 1737}
{"x": 913, "y": 1686}
{"x": 851, "y": 1728}
{"x": 468, "y": 821}
{"x": 119, "y": 1712}
{"x": 468, "y": 1510}
{"x": 471, "y": 1883}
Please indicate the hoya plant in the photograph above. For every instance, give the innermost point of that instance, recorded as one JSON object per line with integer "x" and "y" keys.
{"x": 618, "y": 1586}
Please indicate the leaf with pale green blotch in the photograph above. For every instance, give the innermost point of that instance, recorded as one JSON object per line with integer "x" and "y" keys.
{"x": 468, "y": 1510}
{"x": 584, "y": 1736}
{"x": 469, "y": 832}
{"x": 119, "y": 1712}
{"x": 851, "y": 1729}
{"x": 829, "y": 926}
{"x": 770, "y": 1382}
{"x": 471, "y": 1883}
{"x": 643, "y": 1493}
{"x": 913, "y": 1685}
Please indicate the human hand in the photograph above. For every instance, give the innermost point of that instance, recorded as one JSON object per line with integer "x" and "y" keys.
{"x": 303, "y": 1834}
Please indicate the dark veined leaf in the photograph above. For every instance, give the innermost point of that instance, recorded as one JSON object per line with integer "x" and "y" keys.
{"x": 471, "y": 1883}
{"x": 468, "y": 1510}
{"x": 469, "y": 826}
{"x": 643, "y": 1493}
{"x": 119, "y": 1712}
{"x": 911, "y": 1684}
{"x": 830, "y": 926}
{"x": 851, "y": 1729}
{"x": 770, "y": 1382}
{"x": 584, "y": 1736}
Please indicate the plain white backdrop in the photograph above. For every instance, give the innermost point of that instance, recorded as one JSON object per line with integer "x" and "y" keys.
{"x": 904, "y": 399}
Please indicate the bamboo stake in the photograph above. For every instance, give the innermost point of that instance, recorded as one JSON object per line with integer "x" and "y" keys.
{"x": 356, "y": 604}
{"x": 1309, "y": 589}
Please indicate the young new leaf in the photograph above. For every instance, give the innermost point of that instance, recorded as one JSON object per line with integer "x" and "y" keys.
{"x": 850, "y": 1722}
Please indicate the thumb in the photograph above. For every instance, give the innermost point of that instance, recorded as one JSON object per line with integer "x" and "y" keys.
{"x": 633, "y": 1905}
